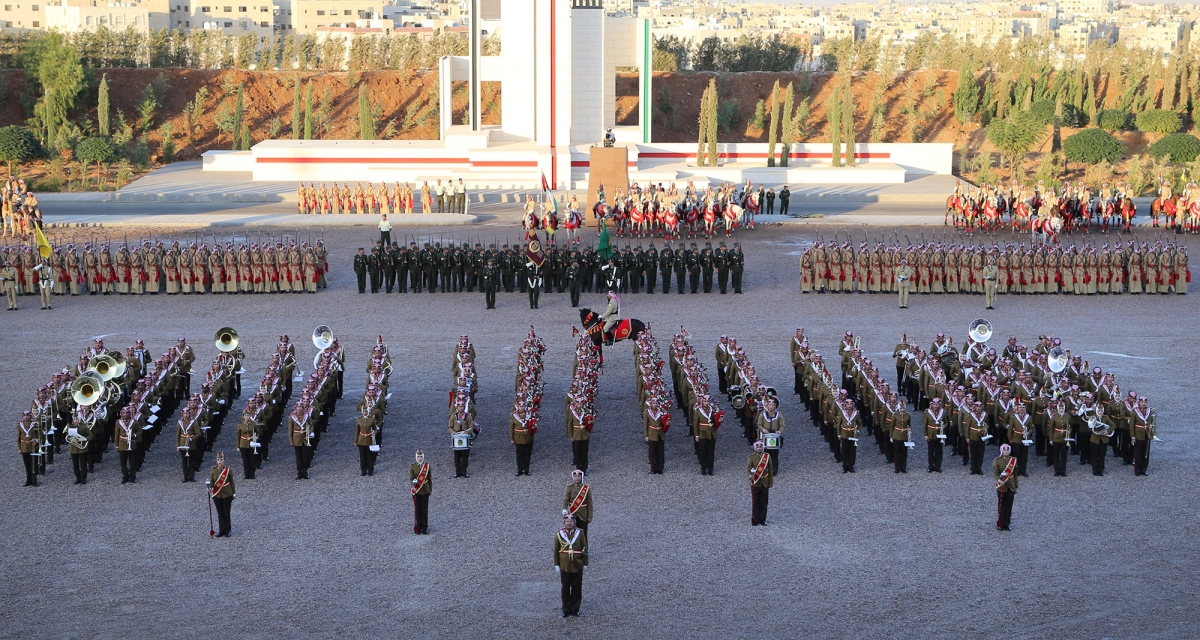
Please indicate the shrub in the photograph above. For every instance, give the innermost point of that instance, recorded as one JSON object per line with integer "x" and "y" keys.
{"x": 1114, "y": 120}
{"x": 1179, "y": 147}
{"x": 1093, "y": 145}
{"x": 728, "y": 113}
{"x": 17, "y": 144}
{"x": 1074, "y": 117}
{"x": 1160, "y": 121}
{"x": 1043, "y": 111}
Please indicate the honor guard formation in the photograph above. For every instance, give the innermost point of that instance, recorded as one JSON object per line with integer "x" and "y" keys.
{"x": 936, "y": 267}
{"x": 450, "y": 267}
{"x": 450, "y": 197}
{"x": 19, "y": 212}
{"x": 146, "y": 268}
{"x": 658, "y": 212}
{"x": 1076, "y": 206}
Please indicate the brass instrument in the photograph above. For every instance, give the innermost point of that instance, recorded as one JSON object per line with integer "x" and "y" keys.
{"x": 87, "y": 389}
{"x": 980, "y": 330}
{"x": 322, "y": 338}
{"x": 227, "y": 339}
{"x": 118, "y": 358}
{"x": 1099, "y": 427}
{"x": 738, "y": 399}
{"x": 1152, "y": 426}
{"x": 1057, "y": 360}
{"x": 104, "y": 366}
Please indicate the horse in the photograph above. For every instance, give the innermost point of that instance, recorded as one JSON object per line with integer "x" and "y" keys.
{"x": 593, "y": 326}
{"x": 1166, "y": 207}
{"x": 1128, "y": 212}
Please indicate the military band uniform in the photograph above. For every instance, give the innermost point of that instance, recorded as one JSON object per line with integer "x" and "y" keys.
{"x": 1006, "y": 489}
{"x": 760, "y": 488}
{"x": 222, "y": 490}
{"x": 422, "y": 486}
{"x": 584, "y": 512}
{"x": 570, "y": 559}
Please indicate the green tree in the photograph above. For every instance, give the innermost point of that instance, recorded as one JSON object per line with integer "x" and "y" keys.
{"x": 308, "y": 112}
{"x": 848, "y": 121}
{"x": 1014, "y": 136}
{"x": 702, "y": 124}
{"x": 99, "y": 150}
{"x": 239, "y": 115}
{"x": 102, "y": 108}
{"x": 966, "y": 95}
{"x": 772, "y": 132}
{"x": 833, "y": 114}
{"x": 711, "y": 122}
{"x": 17, "y": 144}
{"x": 60, "y": 75}
{"x": 1178, "y": 147}
{"x": 760, "y": 115}
{"x": 1093, "y": 145}
{"x": 789, "y": 126}
{"x": 366, "y": 114}
{"x": 1159, "y": 121}
{"x": 297, "y": 125}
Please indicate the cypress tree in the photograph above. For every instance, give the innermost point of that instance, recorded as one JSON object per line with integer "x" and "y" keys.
{"x": 308, "y": 121}
{"x": 702, "y": 125}
{"x": 102, "y": 108}
{"x": 772, "y": 133}
{"x": 297, "y": 125}
{"x": 789, "y": 127}
{"x": 239, "y": 113}
{"x": 366, "y": 123}
{"x": 848, "y": 122}
{"x": 833, "y": 114}
{"x": 711, "y": 118}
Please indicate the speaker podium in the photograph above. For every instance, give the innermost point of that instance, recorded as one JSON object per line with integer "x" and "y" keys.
{"x": 608, "y": 166}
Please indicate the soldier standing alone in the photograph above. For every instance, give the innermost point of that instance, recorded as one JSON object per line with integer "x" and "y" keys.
{"x": 422, "y": 486}
{"x": 1004, "y": 468}
{"x": 360, "y": 269}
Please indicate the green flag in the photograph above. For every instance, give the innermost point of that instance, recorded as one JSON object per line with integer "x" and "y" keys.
{"x": 603, "y": 248}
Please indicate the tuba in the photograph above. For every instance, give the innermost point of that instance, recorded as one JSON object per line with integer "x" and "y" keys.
{"x": 1057, "y": 360}
{"x": 226, "y": 339}
{"x": 981, "y": 330}
{"x": 118, "y": 358}
{"x": 87, "y": 389}
{"x": 322, "y": 338}
{"x": 103, "y": 366}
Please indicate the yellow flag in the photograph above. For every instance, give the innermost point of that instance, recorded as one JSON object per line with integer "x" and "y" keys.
{"x": 43, "y": 246}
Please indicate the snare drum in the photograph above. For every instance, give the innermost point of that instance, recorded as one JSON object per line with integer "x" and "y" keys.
{"x": 771, "y": 440}
{"x": 461, "y": 441}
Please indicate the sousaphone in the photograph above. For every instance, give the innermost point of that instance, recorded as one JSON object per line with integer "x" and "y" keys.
{"x": 981, "y": 330}
{"x": 322, "y": 338}
{"x": 226, "y": 339}
{"x": 104, "y": 366}
{"x": 87, "y": 389}
{"x": 1057, "y": 359}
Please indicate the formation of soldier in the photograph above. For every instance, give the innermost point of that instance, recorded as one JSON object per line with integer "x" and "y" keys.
{"x": 690, "y": 381}
{"x": 448, "y": 197}
{"x": 266, "y": 409}
{"x": 580, "y": 409}
{"x": 318, "y": 402}
{"x": 461, "y": 425}
{"x": 527, "y": 403}
{"x": 19, "y": 211}
{"x": 368, "y": 426}
{"x": 664, "y": 212}
{"x": 148, "y": 268}
{"x": 462, "y": 268}
{"x": 1042, "y": 208}
{"x": 934, "y": 267}
{"x": 131, "y": 408}
{"x": 652, "y": 397}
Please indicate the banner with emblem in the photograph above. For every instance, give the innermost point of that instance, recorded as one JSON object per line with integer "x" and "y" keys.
{"x": 533, "y": 248}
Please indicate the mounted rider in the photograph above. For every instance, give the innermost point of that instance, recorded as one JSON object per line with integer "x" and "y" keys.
{"x": 611, "y": 316}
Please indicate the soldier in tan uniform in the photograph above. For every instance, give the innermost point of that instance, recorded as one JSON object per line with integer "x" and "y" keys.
{"x": 221, "y": 488}
{"x": 762, "y": 478}
{"x": 570, "y": 559}
{"x": 8, "y": 280}
{"x": 577, "y": 500}
{"x": 991, "y": 274}
{"x": 904, "y": 276}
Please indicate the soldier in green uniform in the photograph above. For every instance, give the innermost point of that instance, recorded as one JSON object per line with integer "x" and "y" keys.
{"x": 900, "y": 422}
{"x": 366, "y": 438}
{"x": 577, "y": 500}
{"x": 247, "y": 437}
{"x": 360, "y": 269}
{"x": 574, "y": 285}
{"x": 904, "y": 275}
{"x": 570, "y": 559}
{"x": 680, "y": 265}
{"x": 522, "y": 425}
{"x": 665, "y": 261}
{"x": 990, "y": 275}
{"x": 1004, "y": 468}
{"x": 707, "y": 261}
{"x": 693, "y": 267}
{"x": 579, "y": 434}
{"x": 490, "y": 280}
{"x": 651, "y": 267}
{"x": 422, "y": 486}
{"x": 221, "y": 488}
{"x": 721, "y": 261}
{"x": 935, "y": 433}
{"x": 400, "y": 258}
{"x": 737, "y": 264}
{"x": 29, "y": 442}
{"x": 461, "y": 421}
{"x": 534, "y": 280}
{"x": 705, "y": 421}
{"x": 762, "y": 478}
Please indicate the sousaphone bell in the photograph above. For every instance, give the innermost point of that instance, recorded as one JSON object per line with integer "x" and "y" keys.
{"x": 87, "y": 389}
{"x": 104, "y": 366}
{"x": 1057, "y": 359}
{"x": 322, "y": 338}
{"x": 981, "y": 330}
{"x": 226, "y": 339}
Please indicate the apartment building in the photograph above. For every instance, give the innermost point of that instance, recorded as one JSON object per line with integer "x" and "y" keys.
{"x": 70, "y": 16}
{"x": 23, "y": 15}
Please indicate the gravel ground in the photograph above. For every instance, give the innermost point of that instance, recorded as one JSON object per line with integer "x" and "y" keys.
{"x": 871, "y": 554}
